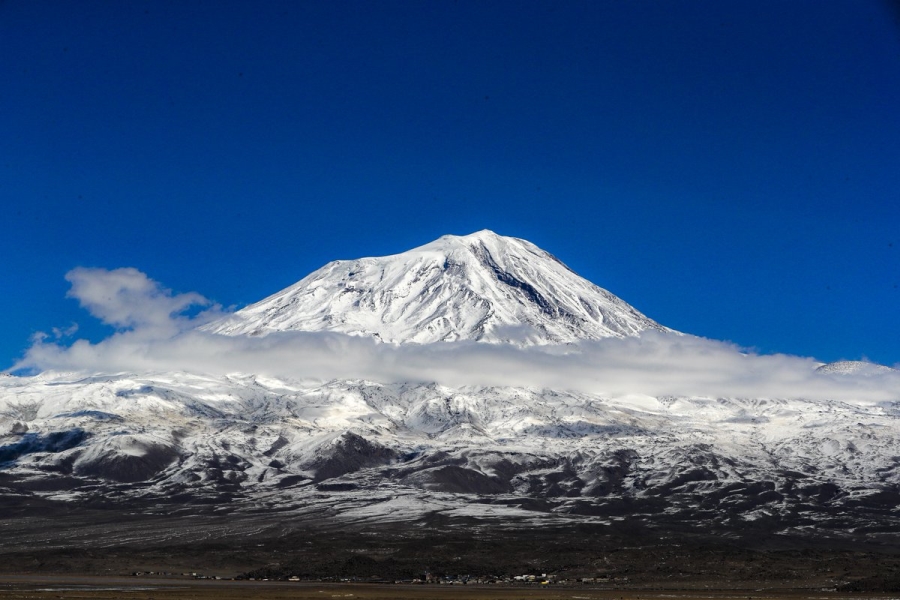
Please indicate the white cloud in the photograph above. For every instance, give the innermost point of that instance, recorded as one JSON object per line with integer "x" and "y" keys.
{"x": 128, "y": 299}
{"x": 156, "y": 337}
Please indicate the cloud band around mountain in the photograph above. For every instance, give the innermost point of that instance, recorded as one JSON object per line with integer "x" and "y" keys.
{"x": 155, "y": 335}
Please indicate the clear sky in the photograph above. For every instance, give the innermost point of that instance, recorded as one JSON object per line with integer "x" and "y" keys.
{"x": 732, "y": 169}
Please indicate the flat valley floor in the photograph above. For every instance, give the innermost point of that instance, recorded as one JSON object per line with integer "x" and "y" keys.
{"x": 58, "y": 550}
{"x": 102, "y": 588}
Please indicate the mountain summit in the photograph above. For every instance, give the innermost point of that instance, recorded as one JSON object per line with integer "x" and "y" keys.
{"x": 253, "y": 456}
{"x": 483, "y": 287}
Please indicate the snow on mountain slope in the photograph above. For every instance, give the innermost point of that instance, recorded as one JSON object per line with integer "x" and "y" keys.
{"x": 482, "y": 287}
{"x": 370, "y": 450}
{"x": 854, "y": 367}
{"x": 397, "y": 451}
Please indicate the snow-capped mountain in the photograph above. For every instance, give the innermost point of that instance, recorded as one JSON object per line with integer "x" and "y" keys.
{"x": 482, "y": 287}
{"x": 383, "y": 450}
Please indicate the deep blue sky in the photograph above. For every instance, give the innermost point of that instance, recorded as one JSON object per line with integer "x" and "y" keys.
{"x": 732, "y": 169}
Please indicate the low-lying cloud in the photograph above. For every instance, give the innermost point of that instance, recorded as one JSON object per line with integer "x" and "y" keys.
{"x": 156, "y": 336}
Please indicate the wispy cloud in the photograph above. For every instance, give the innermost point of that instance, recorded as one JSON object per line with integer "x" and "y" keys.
{"x": 127, "y": 299}
{"x": 155, "y": 335}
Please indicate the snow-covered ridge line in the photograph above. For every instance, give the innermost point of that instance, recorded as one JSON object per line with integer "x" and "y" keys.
{"x": 483, "y": 287}
{"x": 271, "y": 440}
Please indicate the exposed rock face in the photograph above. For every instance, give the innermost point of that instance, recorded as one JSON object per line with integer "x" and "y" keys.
{"x": 126, "y": 459}
{"x": 348, "y": 454}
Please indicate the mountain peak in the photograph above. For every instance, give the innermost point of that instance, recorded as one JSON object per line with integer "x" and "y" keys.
{"x": 477, "y": 235}
{"x": 483, "y": 236}
{"x": 482, "y": 287}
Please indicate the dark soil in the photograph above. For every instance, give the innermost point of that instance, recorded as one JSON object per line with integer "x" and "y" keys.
{"x": 43, "y": 537}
